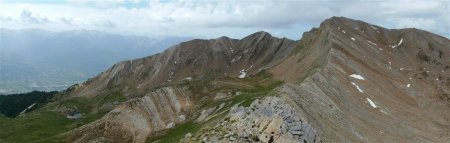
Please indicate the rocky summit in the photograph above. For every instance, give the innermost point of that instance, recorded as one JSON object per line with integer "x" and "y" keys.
{"x": 345, "y": 81}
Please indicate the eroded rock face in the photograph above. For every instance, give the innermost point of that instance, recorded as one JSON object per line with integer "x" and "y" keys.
{"x": 267, "y": 120}
{"x": 369, "y": 85}
{"x": 136, "y": 119}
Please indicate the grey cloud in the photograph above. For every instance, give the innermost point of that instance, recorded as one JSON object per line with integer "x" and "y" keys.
{"x": 27, "y": 16}
{"x": 107, "y": 24}
{"x": 68, "y": 21}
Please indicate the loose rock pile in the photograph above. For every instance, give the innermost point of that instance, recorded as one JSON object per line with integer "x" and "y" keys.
{"x": 265, "y": 120}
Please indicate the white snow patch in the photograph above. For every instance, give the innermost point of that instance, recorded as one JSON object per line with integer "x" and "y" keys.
{"x": 371, "y": 103}
{"x": 399, "y": 43}
{"x": 408, "y": 85}
{"x": 437, "y": 78}
{"x": 402, "y": 69}
{"x": 373, "y": 27}
{"x": 357, "y": 76}
{"x": 243, "y": 73}
{"x": 371, "y": 42}
{"x": 410, "y": 78}
{"x": 343, "y": 31}
{"x": 353, "y": 39}
{"x": 357, "y": 87}
{"x": 339, "y": 28}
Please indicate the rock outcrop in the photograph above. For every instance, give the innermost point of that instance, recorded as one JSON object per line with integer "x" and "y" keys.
{"x": 267, "y": 120}
{"x": 138, "y": 118}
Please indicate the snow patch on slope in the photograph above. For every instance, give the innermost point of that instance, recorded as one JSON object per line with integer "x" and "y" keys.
{"x": 357, "y": 87}
{"x": 243, "y": 73}
{"x": 399, "y": 43}
{"x": 371, "y": 42}
{"x": 371, "y": 103}
{"x": 357, "y": 76}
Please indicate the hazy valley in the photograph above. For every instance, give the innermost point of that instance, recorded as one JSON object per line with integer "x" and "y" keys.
{"x": 42, "y": 60}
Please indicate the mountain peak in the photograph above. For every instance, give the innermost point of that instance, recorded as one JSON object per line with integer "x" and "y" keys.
{"x": 257, "y": 36}
{"x": 260, "y": 34}
{"x": 341, "y": 21}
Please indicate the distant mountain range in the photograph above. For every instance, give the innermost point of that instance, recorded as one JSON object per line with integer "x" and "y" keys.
{"x": 36, "y": 59}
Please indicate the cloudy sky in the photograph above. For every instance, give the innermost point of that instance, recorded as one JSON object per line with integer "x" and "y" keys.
{"x": 210, "y": 18}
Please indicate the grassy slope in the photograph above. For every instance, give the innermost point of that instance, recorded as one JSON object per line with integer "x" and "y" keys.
{"x": 44, "y": 124}
{"x": 3, "y": 119}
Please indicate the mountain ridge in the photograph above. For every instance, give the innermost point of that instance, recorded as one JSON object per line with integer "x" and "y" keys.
{"x": 326, "y": 47}
{"x": 346, "y": 81}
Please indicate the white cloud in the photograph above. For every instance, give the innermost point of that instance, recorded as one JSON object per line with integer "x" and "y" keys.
{"x": 216, "y": 18}
{"x": 97, "y": 3}
{"x": 425, "y": 23}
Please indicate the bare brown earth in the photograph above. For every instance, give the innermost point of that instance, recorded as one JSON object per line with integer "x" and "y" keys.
{"x": 346, "y": 81}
